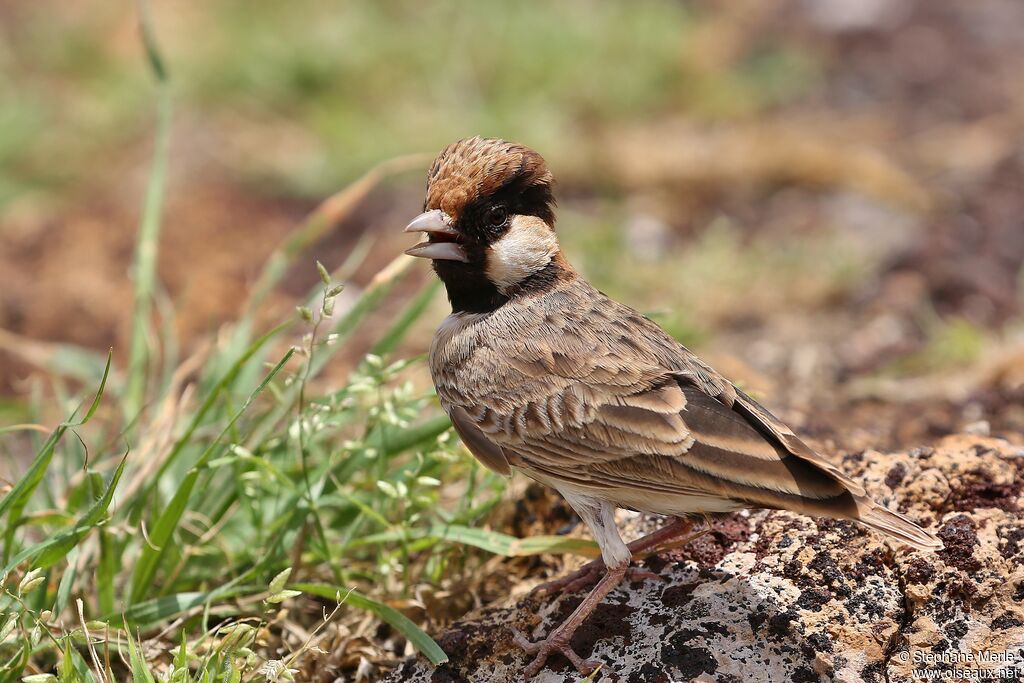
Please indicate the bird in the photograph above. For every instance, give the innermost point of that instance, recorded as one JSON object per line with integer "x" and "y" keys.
{"x": 543, "y": 374}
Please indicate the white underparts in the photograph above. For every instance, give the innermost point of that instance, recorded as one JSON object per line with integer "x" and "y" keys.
{"x": 599, "y": 516}
{"x": 527, "y": 248}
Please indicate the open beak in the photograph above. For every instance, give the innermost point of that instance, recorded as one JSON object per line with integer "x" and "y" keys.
{"x": 442, "y": 240}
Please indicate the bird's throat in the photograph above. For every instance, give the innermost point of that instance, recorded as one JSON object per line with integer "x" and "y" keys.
{"x": 470, "y": 290}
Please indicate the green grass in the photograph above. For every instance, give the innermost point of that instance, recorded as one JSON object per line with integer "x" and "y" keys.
{"x": 194, "y": 523}
{"x": 162, "y": 532}
{"x": 159, "y": 530}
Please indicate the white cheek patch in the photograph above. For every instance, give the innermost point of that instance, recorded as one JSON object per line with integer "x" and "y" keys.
{"x": 527, "y": 247}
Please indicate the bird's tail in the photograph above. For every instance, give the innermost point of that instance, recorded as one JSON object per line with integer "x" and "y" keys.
{"x": 896, "y": 525}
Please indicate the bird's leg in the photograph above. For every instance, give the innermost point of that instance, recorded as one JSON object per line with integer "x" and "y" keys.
{"x": 558, "y": 640}
{"x": 599, "y": 515}
{"x": 601, "y": 523}
{"x": 677, "y": 542}
{"x": 645, "y": 545}
{"x": 615, "y": 555}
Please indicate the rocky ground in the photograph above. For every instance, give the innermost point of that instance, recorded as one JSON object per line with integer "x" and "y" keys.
{"x": 902, "y": 142}
{"x": 772, "y": 596}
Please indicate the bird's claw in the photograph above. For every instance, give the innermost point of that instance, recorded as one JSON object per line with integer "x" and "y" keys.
{"x": 542, "y": 649}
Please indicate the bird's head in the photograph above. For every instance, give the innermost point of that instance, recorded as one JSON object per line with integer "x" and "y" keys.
{"x": 489, "y": 220}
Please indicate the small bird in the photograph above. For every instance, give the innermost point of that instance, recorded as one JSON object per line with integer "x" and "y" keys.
{"x": 542, "y": 373}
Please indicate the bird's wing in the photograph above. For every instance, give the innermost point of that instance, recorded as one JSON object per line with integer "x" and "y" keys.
{"x": 602, "y": 399}
{"x": 485, "y": 450}
{"x": 692, "y": 434}
{"x": 779, "y": 433}
{"x": 672, "y": 437}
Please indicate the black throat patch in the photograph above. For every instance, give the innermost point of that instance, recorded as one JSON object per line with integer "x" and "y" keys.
{"x": 468, "y": 288}
{"x": 470, "y": 291}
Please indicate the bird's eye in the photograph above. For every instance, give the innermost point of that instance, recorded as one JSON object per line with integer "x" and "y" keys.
{"x": 496, "y": 216}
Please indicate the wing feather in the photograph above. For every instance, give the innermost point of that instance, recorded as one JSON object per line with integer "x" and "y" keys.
{"x": 601, "y": 398}
{"x": 485, "y": 450}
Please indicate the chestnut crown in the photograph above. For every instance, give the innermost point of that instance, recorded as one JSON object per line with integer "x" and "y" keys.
{"x": 472, "y": 171}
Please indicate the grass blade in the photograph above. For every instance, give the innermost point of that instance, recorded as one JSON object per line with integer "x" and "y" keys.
{"x": 144, "y": 270}
{"x": 211, "y": 399}
{"x": 393, "y": 441}
{"x": 412, "y": 312}
{"x": 156, "y": 610}
{"x": 159, "y": 537}
{"x": 99, "y": 392}
{"x": 379, "y": 287}
{"x": 17, "y": 498}
{"x": 140, "y": 672}
{"x": 11, "y": 670}
{"x": 167, "y": 522}
{"x": 106, "y": 571}
{"x": 415, "y": 635}
{"x": 58, "y": 546}
{"x": 491, "y": 541}
{"x": 67, "y": 582}
{"x": 328, "y": 214}
{"x": 78, "y": 669}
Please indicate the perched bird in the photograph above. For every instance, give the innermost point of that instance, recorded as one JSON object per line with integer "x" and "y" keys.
{"x": 542, "y": 373}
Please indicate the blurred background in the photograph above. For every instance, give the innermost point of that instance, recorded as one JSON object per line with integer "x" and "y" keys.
{"x": 823, "y": 198}
{"x": 826, "y": 193}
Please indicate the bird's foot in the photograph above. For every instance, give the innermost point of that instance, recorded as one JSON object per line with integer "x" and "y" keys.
{"x": 570, "y": 583}
{"x": 589, "y": 574}
{"x": 558, "y": 641}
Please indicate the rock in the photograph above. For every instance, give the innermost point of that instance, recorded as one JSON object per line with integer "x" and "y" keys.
{"x": 773, "y": 596}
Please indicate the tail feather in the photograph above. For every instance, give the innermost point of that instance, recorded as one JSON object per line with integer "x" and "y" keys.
{"x": 897, "y": 526}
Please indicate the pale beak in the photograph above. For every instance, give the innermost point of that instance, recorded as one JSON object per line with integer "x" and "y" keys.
{"x": 442, "y": 239}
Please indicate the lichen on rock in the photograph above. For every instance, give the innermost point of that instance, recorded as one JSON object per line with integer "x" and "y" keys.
{"x": 773, "y": 596}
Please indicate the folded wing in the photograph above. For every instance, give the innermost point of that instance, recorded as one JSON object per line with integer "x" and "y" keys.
{"x": 601, "y": 398}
